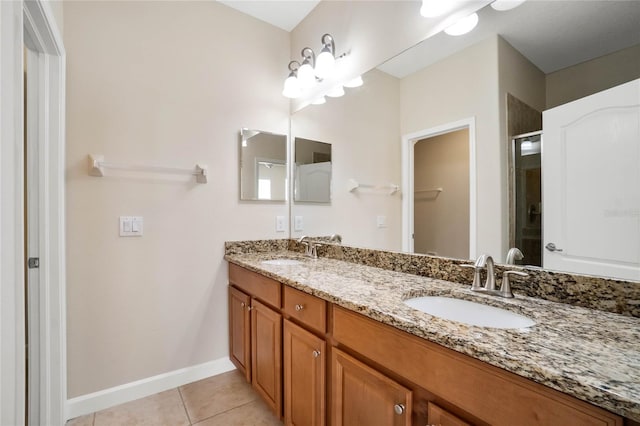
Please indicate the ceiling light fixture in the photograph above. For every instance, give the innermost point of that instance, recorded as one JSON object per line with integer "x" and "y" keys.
{"x": 463, "y": 26}
{"x": 503, "y": 5}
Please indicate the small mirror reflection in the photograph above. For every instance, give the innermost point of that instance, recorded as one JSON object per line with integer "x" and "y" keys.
{"x": 313, "y": 171}
{"x": 263, "y": 166}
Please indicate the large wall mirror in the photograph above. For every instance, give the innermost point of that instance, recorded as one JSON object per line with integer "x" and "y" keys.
{"x": 263, "y": 166}
{"x": 500, "y": 78}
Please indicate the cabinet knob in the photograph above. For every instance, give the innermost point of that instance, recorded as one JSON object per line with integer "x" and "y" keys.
{"x": 399, "y": 408}
{"x": 299, "y": 307}
{"x": 242, "y": 304}
{"x": 316, "y": 353}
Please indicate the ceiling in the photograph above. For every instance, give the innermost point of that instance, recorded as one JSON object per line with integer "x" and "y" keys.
{"x": 552, "y": 34}
{"x": 283, "y": 14}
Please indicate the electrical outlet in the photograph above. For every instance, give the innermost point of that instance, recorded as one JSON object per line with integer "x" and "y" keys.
{"x": 280, "y": 224}
{"x": 381, "y": 221}
{"x": 298, "y": 223}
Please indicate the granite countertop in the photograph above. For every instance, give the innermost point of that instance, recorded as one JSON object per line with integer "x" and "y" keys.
{"x": 589, "y": 354}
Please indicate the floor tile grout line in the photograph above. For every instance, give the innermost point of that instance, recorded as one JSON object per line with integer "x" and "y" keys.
{"x": 226, "y": 411}
{"x": 184, "y": 406}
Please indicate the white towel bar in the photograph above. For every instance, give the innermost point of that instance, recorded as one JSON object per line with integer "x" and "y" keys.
{"x": 97, "y": 166}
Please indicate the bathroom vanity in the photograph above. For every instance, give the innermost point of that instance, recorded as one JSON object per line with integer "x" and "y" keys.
{"x": 326, "y": 341}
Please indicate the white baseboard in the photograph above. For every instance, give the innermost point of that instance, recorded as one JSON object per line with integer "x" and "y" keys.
{"x": 100, "y": 400}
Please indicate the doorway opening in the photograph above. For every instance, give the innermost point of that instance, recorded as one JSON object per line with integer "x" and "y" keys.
{"x": 439, "y": 181}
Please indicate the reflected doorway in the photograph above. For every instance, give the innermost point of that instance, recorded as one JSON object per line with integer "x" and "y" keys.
{"x": 441, "y": 194}
{"x": 527, "y": 196}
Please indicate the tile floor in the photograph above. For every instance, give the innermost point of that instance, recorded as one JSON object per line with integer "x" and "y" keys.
{"x": 223, "y": 400}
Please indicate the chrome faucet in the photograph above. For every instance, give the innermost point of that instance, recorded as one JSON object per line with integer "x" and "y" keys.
{"x": 310, "y": 248}
{"x": 514, "y": 254}
{"x": 490, "y": 284}
{"x": 335, "y": 238}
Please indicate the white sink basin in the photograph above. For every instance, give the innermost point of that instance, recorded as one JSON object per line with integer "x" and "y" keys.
{"x": 469, "y": 312}
{"x": 282, "y": 262}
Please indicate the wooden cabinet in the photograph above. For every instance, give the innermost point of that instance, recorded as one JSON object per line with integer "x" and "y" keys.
{"x": 240, "y": 331}
{"x": 363, "y": 396}
{"x": 266, "y": 354}
{"x": 304, "y": 377}
{"x": 440, "y": 417}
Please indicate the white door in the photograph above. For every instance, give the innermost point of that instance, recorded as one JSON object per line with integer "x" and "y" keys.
{"x": 591, "y": 184}
{"x": 313, "y": 182}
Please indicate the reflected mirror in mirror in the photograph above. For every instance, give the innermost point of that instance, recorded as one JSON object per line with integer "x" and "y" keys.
{"x": 263, "y": 166}
{"x": 312, "y": 181}
{"x": 505, "y": 73}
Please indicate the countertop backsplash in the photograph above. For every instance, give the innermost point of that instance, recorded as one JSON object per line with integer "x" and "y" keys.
{"x": 604, "y": 294}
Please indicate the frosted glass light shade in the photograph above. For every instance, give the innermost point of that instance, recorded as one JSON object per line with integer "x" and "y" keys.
{"x": 306, "y": 76}
{"x": 463, "y": 26}
{"x": 503, "y": 5}
{"x": 321, "y": 100}
{"x": 291, "y": 87}
{"x": 325, "y": 63}
{"x": 435, "y": 8}
{"x": 356, "y": 82}
{"x": 336, "y": 92}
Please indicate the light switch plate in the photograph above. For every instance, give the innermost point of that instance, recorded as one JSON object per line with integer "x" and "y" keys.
{"x": 381, "y": 221}
{"x": 298, "y": 223}
{"x": 131, "y": 226}
{"x": 280, "y": 224}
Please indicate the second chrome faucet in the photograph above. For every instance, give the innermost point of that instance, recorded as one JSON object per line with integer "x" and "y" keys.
{"x": 490, "y": 284}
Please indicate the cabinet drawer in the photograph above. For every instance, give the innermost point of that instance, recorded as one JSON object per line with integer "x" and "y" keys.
{"x": 256, "y": 285}
{"x": 307, "y": 309}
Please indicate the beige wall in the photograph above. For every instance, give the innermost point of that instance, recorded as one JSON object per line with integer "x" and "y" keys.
{"x": 365, "y": 138}
{"x": 441, "y": 220}
{"x": 593, "y": 76}
{"x": 461, "y": 86}
{"x": 165, "y": 83}
{"x": 520, "y": 78}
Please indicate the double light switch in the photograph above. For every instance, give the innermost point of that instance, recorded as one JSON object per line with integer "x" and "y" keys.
{"x": 131, "y": 226}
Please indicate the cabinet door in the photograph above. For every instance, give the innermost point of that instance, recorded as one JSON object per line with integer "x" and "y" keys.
{"x": 304, "y": 377}
{"x": 266, "y": 354}
{"x": 439, "y": 417}
{"x": 363, "y": 396}
{"x": 240, "y": 331}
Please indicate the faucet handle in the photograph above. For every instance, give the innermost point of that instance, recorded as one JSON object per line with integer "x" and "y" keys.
{"x": 505, "y": 288}
{"x": 477, "y": 277}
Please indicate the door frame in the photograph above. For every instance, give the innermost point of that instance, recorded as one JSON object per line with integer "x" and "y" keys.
{"x": 32, "y": 24}
{"x": 408, "y": 145}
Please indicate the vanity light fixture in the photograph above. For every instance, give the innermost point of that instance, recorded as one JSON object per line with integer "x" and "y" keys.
{"x": 306, "y": 74}
{"x": 336, "y": 92}
{"x": 435, "y": 8}
{"x": 502, "y": 5}
{"x": 356, "y": 82}
{"x": 291, "y": 84}
{"x": 463, "y": 26}
{"x": 326, "y": 61}
{"x": 321, "y": 100}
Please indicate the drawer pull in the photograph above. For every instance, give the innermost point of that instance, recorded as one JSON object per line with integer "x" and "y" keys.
{"x": 242, "y": 304}
{"x": 399, "y": 409}
{"x": 299, "y": 307}
{"x": 316, "y": 354}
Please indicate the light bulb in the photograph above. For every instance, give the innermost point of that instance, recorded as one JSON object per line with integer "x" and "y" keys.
{"x": 336, "y": 92}
{"x": 291, "y": 87}
{"x": 356, "y": 82}
{"x": 321, "y": 100}
{"x": 306, "y": 76}
{"x": 435, "y": 8}
{"x": 463, "y": 26}
{"x": 325, "y": 63}
{"x": 502, "y": 5}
